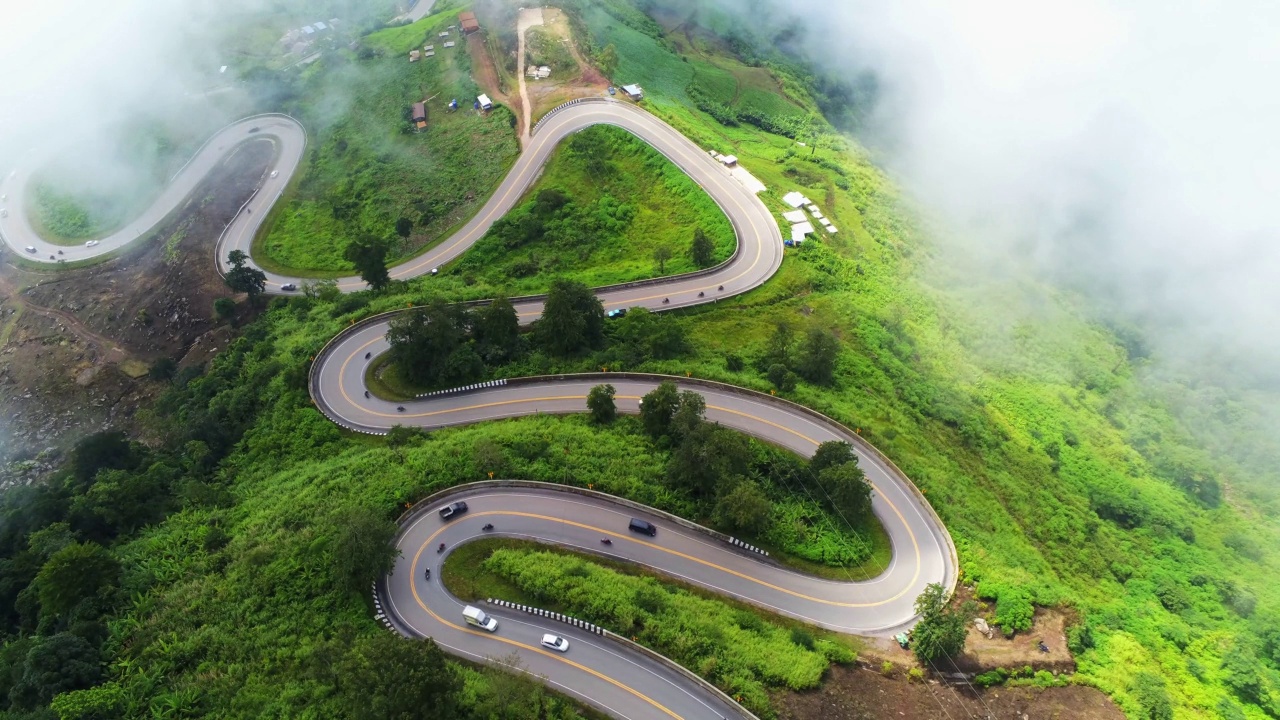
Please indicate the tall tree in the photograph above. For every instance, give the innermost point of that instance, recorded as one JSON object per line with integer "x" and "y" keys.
{"x": 778, "y": 349}
{"x": 77, "y": 572}
{"x": 607, "y": 60}
{"x": 657, "y": 408}
{"x": 423, "y": 342}
{"x": 601, "y": 405}
{"x": 941, "y": 631}
{"x": 243, "y": 278}
{"x": 572, "y": 319}
{"x": 496, "y": 329}
{"x": 56, "y": 664}
{"x": 702, "y": 250}
{"x": 708, "y": 460}
{"x": 848, "y": 491}
{"x": 829, "y": 453}
{"x": 817, "y": 359}
{"x": 745, "y": 508}
{"x": 363, "y": 550}
{"x": 661, "y": 256}
{"x": 688, "y": 416}
{"x": 388, "y": 677}
{"x": 369, "y": 255}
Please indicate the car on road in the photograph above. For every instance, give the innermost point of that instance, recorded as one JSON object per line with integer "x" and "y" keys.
{"x": 555, "y": 642}
{"x": 253, "y": 129}
{"x": 31, "y": 249}
{"x": 91, "y": 243}
{"x": 616, "y": 313}
{"x": 453, "y": 510}
{"x": 274, "y": 173}
{"x": 479, "y": 618}
{"x": 435, "y": 270}
{"x": 644, "y": 527}
{"x": 289, "y": 287}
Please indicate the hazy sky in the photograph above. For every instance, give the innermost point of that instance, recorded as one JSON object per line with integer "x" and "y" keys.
{"x": 1125, "y": 146}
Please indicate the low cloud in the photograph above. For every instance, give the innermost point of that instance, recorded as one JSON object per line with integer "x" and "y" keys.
{"x": 1124, "y": 150}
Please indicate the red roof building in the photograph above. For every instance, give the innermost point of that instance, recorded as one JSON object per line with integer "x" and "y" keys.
{"x": 469, "y": 22}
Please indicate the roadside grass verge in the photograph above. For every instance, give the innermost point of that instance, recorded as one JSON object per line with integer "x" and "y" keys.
{"x": 738, "y": 647}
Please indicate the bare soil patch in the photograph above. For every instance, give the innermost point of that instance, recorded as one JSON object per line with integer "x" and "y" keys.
{"x": 863, "y": 693}
{"x": 564, "y": 84}
{"x": 71, "y": 339}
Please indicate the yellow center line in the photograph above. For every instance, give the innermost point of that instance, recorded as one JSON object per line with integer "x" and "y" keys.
{"x": 414, "y": 587}
{"x": 915, "y": 543}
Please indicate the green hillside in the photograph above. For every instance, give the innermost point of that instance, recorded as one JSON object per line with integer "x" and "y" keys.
{"x": 1064, "y": 473}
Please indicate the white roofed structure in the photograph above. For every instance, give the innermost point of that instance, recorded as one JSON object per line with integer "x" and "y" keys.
{"x": 795, "y": 200}
{"x": 795, "y": 216}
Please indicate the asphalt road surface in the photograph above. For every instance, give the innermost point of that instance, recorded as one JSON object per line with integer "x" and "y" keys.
{"x": 620, "y": 681}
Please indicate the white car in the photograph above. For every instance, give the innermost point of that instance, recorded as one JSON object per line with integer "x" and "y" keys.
{"x": 275, "y": 173}
{"x": 31, "y": 249}
{"x": 555, "y": 642}
{"x": 91, "y": 243}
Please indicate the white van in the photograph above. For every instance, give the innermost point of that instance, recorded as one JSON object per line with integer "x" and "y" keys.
{"x": 476, "y": 616}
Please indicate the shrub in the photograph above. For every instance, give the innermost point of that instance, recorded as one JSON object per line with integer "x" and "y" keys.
{"x": 991, "y": 678}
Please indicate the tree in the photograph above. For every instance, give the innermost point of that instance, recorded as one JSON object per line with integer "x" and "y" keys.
{"x": 642, "y": 335}
{"x": 601, "y": 405}
{"x": 496, "y": 329}
{"x": 607, "y": 60}
{"x": 400, "y": 436}
{"x": 243, "y": 278}
{"x": 163, "y": 369}
{"x": 77, "y": 572}
{"x": 778, "y": 350}
{"x": 941, "y": 631}
{"x": 829, "y": 453}
{"x": 369, "y": 255}
{"x": 661, "y": 256}
{"x": 1150, "y": 691}
{"x": 703, "y": 250}
{"x": 657, "y": 408}
{"x": 709, "y": 459}
{"x": 110, "y": 449}
{"x": 423, "y": 342}
{"x": 817, "y": 360}
{"x": 224, "y": 308}
{"x": 363, "y": 550}
{"x": 572, "y": 319}
{"x": 782, "y": 378}
{"x": 56, "y": 664}
{"x": 745, "y": 508}
{"x": 404, "y": 227}
{"x": 848, "y": 490}
{"x": 388, "y": 677}
{"x": 689, "y": 414}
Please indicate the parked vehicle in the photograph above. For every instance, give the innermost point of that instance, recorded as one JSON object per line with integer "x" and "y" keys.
{"x": 479, "y": 618}
{"x": 555, "y": 642}
{"x": 453, "y": 510}
{"x": 903, "y": 640}
{"x": 644, "y": 527}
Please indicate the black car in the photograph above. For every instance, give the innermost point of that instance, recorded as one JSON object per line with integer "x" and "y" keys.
{"x": 643, "y": 527}
{"x": 452, "y": 510}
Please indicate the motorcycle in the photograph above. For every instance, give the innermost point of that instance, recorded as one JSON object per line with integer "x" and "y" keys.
{"x": 368, "y": 355}
{"x": 400, "y": 408}
{"x": 720, "y": 288}
{"x": 606, "y": 541}
{"x": 487, "y": 527}
{"x": 440, "y": 549}
{"x": 666, "y": 300}
{"x": 366, "y": 393}
{"x": 428, "y": 573}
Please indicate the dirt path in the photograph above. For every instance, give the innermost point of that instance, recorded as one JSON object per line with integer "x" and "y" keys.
{"x": 528, "y": 18}
{"x": 110, "y": 350}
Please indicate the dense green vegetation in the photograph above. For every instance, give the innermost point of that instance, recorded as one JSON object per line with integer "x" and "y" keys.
{"x": 58, "y": 216}
{"x": 367, "y": 173}
{"x": 735, "y": 648}
{"x": 1064, "y": 463}
{"x": 605, "y": 203}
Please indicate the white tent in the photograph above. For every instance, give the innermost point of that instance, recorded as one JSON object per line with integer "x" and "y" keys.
{"x": 795, "y": 200}
{"x": 795, "y": 216}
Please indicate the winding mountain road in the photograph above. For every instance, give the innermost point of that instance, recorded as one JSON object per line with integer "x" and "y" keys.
{"x": 613, "y": 677}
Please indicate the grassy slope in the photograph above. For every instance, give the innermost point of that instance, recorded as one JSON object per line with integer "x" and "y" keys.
{"x": 367, "y": 169}
{"x": 668, "y": 207}
{"x": 1026, "y": 434}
